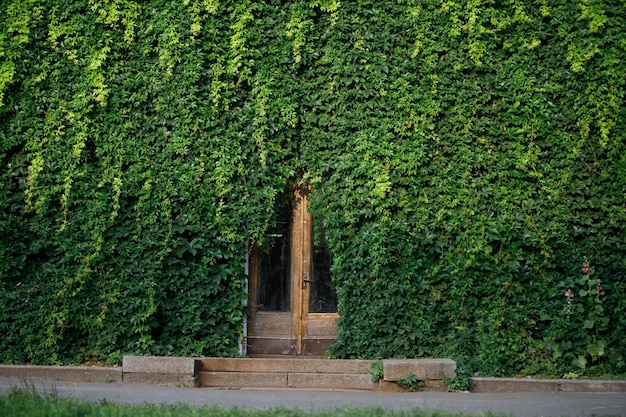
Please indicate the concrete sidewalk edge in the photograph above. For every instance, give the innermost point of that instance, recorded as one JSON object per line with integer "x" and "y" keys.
{"x": 80, "y": 374}
{"x": 509, "y": 385}
{"x": 29, "y": 373}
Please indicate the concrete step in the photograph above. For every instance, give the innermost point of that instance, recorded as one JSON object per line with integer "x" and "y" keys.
{"x": 284, "y": 365}
{"x": 286, "y": 380}
{"x": 285, "y": 373}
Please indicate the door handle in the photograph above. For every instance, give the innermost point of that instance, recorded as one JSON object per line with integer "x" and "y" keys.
{"x": 304, "y": 281}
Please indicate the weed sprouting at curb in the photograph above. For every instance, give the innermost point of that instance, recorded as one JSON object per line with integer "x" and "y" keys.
{"x": 460, "y": 383}
{"x": 411, "y": 383}
{"x": 377, "y": 372}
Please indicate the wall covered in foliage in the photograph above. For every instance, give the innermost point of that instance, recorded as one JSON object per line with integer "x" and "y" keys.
{"x": 468, "y": 159}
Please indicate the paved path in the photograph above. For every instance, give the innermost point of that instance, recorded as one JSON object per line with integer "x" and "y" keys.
{"x": 519, "y": 404}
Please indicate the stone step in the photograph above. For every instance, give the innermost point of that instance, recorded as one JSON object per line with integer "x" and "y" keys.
{"x": 284, "y": 365}
{"x": 286, "y": 380}
{"x": 284, "y": 372}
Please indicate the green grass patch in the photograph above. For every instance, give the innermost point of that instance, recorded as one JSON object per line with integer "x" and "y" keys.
{"x": 26, "y": 402}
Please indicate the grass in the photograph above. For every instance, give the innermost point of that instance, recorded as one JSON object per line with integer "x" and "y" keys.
{"x": 27, "y": 402}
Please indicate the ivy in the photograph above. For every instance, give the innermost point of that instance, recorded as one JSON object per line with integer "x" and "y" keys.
{"x": 466, "y": 157}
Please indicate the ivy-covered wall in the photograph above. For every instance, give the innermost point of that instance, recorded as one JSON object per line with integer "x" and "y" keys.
{"x": 468, "y": 159}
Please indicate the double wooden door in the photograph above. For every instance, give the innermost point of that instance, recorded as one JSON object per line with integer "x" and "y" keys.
{"x": 292, "y": 302}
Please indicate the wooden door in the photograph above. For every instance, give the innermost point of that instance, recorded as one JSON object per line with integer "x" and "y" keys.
{"x": 292, "y": 303}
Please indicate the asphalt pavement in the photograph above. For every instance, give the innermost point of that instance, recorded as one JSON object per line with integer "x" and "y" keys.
{"x": 516, "y": 404}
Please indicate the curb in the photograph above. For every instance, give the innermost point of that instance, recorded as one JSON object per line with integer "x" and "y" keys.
{"x": 160, "y": 370}
{"x": 28, "y": 373}
{"x": 509, "y": 385}
{"x": 86, "y": 374}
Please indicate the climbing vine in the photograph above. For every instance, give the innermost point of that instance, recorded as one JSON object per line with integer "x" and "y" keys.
{"x": 466, "y": 157}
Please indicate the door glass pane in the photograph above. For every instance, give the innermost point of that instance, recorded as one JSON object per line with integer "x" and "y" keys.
{"x": 323, "y": 298}
{"x": 275, "y": 270}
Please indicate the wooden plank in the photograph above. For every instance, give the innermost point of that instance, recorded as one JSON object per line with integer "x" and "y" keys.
{"x": 271, "y": 346}
{"x": 315, "y": 346}
{"x": 322, "y": 325}
{"x": 266, "y": 324}
{"x": 298, "y": 256}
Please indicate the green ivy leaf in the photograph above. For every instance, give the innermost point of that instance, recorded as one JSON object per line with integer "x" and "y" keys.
{"x": 580, "y": 362}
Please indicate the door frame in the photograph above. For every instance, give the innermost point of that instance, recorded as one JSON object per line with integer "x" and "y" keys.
{"x": 297, "y": 332}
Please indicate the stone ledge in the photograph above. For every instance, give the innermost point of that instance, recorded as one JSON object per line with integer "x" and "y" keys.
{"x": 160, "y": 370}
{"x": 284, "y": 365}
{"x": 169, "y": 379}
{"x": 423, "y": 369}
{"x": 331, "y": 381}
{"x": 243, "y": 379}
{"x": 61, "y": 373}
{"x": 505, "y": 385}
{"x": 159, "y": 365}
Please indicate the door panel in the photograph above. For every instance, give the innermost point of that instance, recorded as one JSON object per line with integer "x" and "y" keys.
{"x": 273, "y": 324}
{"x": 292, "y": 303}
{"x": 323, "y": 298}
{"x": 274, "y": 274}
{"x": 321, "y": 325}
